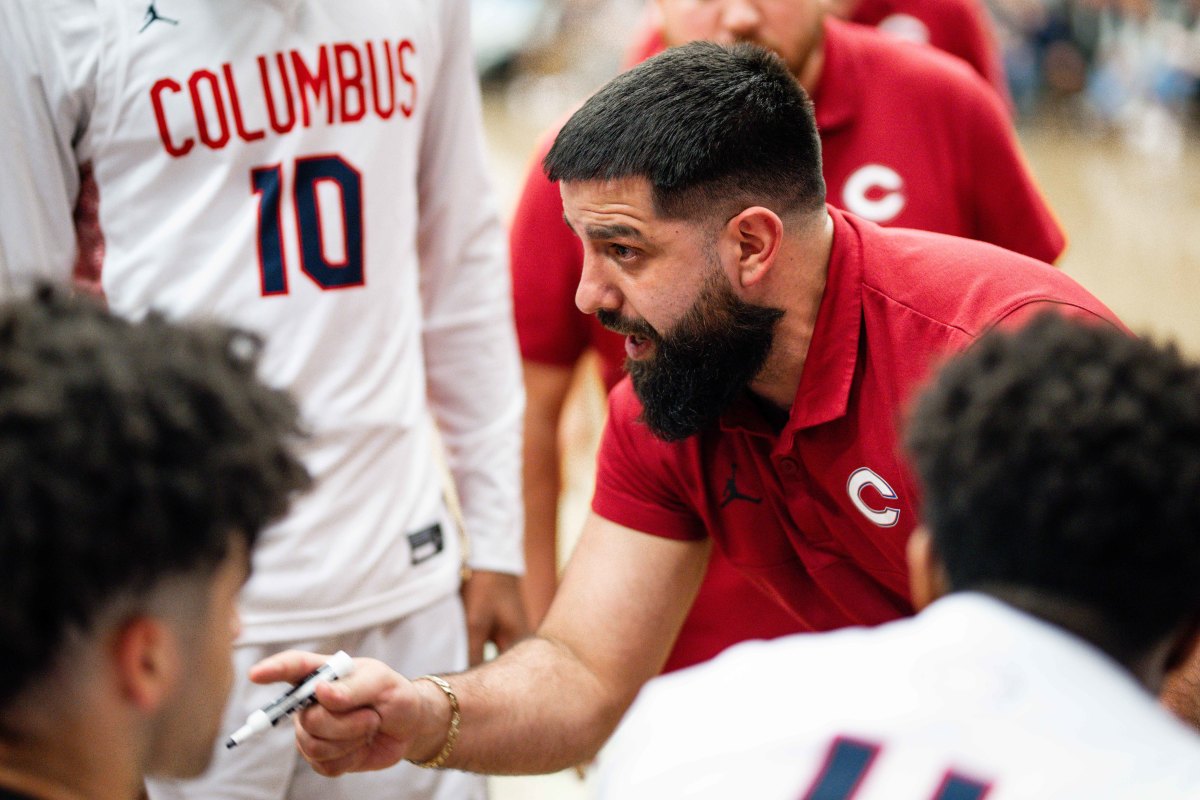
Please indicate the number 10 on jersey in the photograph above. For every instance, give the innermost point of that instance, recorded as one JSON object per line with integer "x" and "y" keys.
{"x": 309, "y": 175}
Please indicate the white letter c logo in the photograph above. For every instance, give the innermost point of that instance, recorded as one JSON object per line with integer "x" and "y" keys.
{"x": 886, "y": 183}
{"x": 860, "y": 479}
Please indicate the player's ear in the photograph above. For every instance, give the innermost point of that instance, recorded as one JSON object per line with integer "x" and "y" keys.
{"x": 756, "y": 234}
{"x": 146, "y": 661}
{"x": 926, "y": 576}
{"x": 1178, "y": 689}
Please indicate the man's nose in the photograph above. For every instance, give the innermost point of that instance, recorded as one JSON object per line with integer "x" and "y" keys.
{"x": 595, "y": 290}
{"x": 740, "y": 18}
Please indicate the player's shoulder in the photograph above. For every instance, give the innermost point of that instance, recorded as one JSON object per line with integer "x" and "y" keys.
{"x": 910, "y": 68}
{"x": 946, "y": 11}
{"x": 60, "y": 41}
{"x": 539, "y": 197}
{"x": 542, "y": 144}
{"x": 822, "y": 673}
{"x": 51, "y": 8}
{"x": 956, "y": 282}
{"x": 49, "y": 17}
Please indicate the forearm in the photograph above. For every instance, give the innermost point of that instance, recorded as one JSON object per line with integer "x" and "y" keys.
{"x": 553, "y": 700}
{"x": 542, "y": 486}
{"x": 538, "y": 708}
{"x": 547, "y": 703}
{"x": 546, "y": 387}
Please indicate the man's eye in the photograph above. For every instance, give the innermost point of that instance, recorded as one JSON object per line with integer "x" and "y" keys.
{"x": 621, "y": 252}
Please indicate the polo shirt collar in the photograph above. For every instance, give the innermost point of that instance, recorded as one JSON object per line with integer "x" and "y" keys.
{"x": 836, "y": 96}
{"x": 824, "y": 391}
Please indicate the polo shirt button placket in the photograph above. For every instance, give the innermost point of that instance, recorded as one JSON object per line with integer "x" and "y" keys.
{"x": 789, "y": 468}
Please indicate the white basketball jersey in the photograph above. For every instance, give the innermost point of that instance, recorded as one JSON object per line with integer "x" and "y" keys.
{"x": 968, "y": 700}
{"x": 313, "y": 171}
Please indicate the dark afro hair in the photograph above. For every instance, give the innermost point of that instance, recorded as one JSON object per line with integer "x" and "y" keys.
{"x": 129, "y": 451}
{"x": 1065, "y": 458}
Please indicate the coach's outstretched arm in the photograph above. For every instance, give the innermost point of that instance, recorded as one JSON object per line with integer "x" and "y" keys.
{"x": 545, "y": 705}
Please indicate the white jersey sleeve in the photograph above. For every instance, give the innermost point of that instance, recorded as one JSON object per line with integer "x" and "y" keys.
{"x": 473, "y": 368}
{"x": 48, "y": 57}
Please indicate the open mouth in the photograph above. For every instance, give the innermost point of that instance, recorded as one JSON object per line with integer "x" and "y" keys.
{"x": 637, "y": 347}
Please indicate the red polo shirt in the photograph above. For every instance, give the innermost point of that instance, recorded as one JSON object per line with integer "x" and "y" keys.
{"x": 819, "y": 513}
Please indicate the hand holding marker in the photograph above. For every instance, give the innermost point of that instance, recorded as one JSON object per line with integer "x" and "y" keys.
{"x": 299, "y": 696}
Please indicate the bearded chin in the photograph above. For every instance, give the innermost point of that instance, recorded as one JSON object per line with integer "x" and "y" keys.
{"x": 699, "y": 369}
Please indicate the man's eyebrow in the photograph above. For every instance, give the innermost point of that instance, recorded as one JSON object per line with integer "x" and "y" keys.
{"x": 616, "y": 231}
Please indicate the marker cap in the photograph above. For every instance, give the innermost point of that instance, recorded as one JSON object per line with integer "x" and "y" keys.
{"x": 340, "y": 663}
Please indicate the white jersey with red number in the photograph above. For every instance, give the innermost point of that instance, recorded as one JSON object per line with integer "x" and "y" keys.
{"x": 968, "y": 700}
{"x": 312, "y": 170}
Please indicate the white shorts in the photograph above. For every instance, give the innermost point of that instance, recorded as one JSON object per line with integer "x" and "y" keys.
{"x": 430, "y": 640}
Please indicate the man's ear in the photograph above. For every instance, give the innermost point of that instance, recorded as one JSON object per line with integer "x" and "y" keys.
{"x": 757, "y": 236}
{"x": 147, "y": 661}
{"x": 926, "y": 576}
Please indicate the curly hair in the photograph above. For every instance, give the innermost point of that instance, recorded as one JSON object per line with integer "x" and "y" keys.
{"x": 129, "y": 452}
{"x": 1065, "y": 458}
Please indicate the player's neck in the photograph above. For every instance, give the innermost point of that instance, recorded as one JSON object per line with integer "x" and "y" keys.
{"x": 55, "y": 780}
{"x": 74, "y": 763}
{"x": 32, "y": 786}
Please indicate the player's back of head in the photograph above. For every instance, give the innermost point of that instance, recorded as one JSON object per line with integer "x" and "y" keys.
{"x": 131, "y": 454}
{"x": 711, "y": 128}
{"x": 1061, "y": 463}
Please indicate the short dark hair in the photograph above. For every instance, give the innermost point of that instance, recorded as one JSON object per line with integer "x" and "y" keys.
{"x": 129, "y": 452}
{"x": 708, "y": 126}
{"x": 1065, "y": 459}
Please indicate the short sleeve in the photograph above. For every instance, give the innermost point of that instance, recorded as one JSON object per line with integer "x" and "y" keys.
{"x": 1024, "y": 314}
{"x": 647, "y": 40}
{"x": 547, "y": 260}
{"x": 638, "y": 477}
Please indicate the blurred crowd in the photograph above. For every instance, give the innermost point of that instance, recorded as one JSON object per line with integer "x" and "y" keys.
{"x": 1111, "y": 66}
{"x": 1129, "y": 65}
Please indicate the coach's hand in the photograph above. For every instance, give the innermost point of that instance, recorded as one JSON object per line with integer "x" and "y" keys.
{"x": 495, "y": 612}
{"x": 366, "y": 721}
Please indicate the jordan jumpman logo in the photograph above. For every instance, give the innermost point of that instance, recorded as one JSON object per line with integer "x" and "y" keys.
{"x": 733, "y": 493}
{"x": 153, "y": 16}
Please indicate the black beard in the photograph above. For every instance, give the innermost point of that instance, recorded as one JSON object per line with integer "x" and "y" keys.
{"x": 699, "y": 367}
